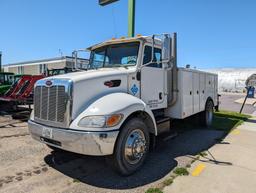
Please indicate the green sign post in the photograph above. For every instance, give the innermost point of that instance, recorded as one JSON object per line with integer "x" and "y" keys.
{"x": 131, "y": 14}
{"x": 131, "y": 18}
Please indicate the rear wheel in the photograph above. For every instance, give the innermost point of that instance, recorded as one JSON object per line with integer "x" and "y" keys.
{"x": 206, "y": 117}
{"x": 132, "y": 147}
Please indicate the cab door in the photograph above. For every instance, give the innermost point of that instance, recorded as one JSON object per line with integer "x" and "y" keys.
{"x": 153, "y": 80}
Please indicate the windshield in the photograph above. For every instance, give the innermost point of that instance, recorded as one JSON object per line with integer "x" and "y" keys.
{"x": 115, "y": 55}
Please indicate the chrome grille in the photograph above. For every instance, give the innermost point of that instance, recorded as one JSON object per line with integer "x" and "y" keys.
{"x": 52, "y": 105}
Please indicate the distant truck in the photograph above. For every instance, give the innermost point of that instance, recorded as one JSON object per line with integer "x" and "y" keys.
{"x": 125, "y": 99}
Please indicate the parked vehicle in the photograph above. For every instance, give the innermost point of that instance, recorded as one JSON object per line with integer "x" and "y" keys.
{"x": 16, "y": 86}
{"x": 58, "y": 71}
{"x": 25, "y": 93}
{"x": 6, "y": 80}
{"x": 125, "y": 99}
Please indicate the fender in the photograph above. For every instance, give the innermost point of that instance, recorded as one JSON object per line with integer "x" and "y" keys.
{"x": 110, "y": 104}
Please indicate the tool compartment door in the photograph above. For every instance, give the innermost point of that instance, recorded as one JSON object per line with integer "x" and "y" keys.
{"x": 187, "y": 95}
{"x": 196, "y": 100}
{"x": 202, "y": 92}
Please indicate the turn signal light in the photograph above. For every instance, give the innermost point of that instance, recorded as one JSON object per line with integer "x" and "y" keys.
{"x": 114, "y": 120}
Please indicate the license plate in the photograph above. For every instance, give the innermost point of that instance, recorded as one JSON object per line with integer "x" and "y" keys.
{"x": 47, "y": 132}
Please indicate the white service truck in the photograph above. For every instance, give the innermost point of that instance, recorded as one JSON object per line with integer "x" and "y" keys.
{"x": 125, "y": 98}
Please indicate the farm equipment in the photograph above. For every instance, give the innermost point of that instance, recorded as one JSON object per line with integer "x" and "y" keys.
{"x": 6, "y": 80}
{"x": 21, "y": 92}
{"x": 16, "y": 86}
{"x": 22, "y": 89}
{"x": 58, "y": 71}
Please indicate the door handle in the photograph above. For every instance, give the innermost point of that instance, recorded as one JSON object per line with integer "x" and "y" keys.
{"x": 160, "y": 96}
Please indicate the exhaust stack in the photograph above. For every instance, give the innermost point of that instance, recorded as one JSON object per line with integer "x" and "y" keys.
{"x": 174, "y": 82}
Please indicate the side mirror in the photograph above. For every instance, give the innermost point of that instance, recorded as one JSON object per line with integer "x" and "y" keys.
{"x": 166, "y": 48}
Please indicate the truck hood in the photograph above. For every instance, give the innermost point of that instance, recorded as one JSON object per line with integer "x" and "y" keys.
{"x": 92, "y": 74}
{"x": 88, "y": 86}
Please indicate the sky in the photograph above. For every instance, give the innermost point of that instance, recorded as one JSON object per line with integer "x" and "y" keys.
{"x": 211, "y": 33}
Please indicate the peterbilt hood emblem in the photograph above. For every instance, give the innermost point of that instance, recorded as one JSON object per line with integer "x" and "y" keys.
{"x": 48, "y": 83}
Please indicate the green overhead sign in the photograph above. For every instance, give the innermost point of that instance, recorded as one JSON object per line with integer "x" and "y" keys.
{"x": 106, "y": 2}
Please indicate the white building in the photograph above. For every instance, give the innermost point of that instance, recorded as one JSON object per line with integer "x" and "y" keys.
{"x": 37, "y": 67}
{"x": 232, "y": 79}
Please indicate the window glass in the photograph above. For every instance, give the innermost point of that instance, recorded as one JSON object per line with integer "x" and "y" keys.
{"x": 115, "y": 55}
{"x": 148, "y": 55}
{"x": 98, "y": 58}
{"x": 42, "y": 68}
{"x": 20, "y": 70}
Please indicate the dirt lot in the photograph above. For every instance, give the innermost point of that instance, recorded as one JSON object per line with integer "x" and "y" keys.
{"x": 28, "y": 166}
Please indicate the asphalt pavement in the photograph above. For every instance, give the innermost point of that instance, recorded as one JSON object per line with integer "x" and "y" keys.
{"x": 227, "y": 102}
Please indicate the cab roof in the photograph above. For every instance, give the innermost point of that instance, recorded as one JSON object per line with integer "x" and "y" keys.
{"x": 124, "y": 40}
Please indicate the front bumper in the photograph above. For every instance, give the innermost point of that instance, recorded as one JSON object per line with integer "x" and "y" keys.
{"x": 87, "y": 143}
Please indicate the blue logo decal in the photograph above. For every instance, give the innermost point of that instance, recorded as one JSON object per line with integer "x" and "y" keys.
{"x": 134, "y": 89}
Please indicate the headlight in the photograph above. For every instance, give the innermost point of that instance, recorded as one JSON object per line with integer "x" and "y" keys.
{"x": 100, "y": 121}
{"x": 92, "y": 121}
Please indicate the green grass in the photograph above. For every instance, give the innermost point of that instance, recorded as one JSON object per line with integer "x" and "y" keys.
{"x": 232, "y": 114}
{"x": 226, "y": 120}
{"x": 181, "y": 171}
{"x": 223, "y": 120}
{"x": 203, "y": 154}
{"x": 168, "y": 182}
{"x": 154, "y": 190}
{"x": 76, "y": 181}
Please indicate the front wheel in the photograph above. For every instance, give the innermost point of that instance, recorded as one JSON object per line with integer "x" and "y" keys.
{"x": 206, "y": 117}
{"x": 132, "y": 147}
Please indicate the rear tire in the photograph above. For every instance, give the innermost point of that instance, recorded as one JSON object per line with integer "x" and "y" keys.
{"x": 206, "y": 117}
{"x": 131, "y": 148}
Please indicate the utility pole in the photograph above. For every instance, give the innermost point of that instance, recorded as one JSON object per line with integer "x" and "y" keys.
{"x": 131, "y": 14}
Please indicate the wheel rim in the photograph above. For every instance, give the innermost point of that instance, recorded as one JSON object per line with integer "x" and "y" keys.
{"x": 209, "y": 116}
{"x": 135, "y": 146}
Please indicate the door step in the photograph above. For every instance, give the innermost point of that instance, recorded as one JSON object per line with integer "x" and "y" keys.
{"x": 163, "y": 124}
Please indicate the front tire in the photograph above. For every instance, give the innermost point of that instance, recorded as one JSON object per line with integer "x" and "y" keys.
{"x": 206, "y": 117}
{"x": 132, "y": 147}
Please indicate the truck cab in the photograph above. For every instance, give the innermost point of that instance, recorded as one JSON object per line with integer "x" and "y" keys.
{"x": 121, "y": 102}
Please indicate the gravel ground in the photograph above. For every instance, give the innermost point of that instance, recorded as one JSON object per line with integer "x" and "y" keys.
{"x": 31, "y": 167}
